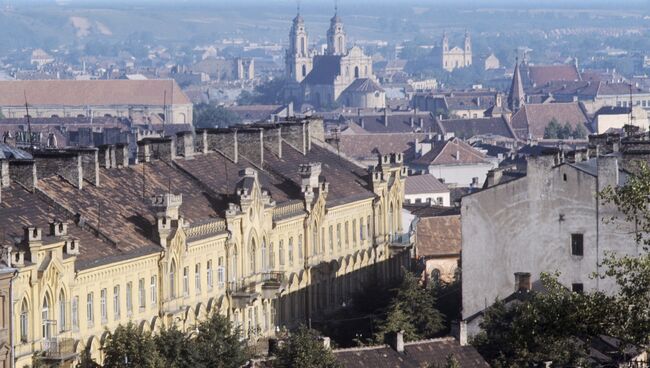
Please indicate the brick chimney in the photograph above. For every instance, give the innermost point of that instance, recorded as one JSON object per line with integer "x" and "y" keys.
{"x": 121, "y": 155}
{"x": 66, "y": 164}
{"x": 309, "y": 174}
{"x": 185, "y": 144}
{"x": 386, "y": 113}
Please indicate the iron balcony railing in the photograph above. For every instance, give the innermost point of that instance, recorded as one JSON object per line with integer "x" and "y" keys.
{"x": 58, "y": 347}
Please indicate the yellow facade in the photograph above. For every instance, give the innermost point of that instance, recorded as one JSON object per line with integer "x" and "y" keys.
{"x": 265, "y": 265}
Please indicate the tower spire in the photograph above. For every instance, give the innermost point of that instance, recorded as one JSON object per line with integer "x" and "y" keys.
{"x": 516, "y": 96}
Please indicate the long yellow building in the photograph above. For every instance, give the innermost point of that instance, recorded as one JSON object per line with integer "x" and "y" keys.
{"x": 263, "y": 223}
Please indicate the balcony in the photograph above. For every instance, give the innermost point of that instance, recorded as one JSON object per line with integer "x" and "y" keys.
{"x": 59, "y": 348}
{"x": 400, "y": 241}
{"x": 272, "y": 283}
{"x": 243, "y": 292}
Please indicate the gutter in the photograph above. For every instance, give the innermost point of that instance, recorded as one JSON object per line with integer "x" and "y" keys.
{"x": 12, "y": 363}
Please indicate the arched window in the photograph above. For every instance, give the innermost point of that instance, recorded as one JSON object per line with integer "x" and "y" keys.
{"x": 172, "y": 280}
{"x": 302, "y": 45}
{"x": 390, "y": 222}
{"x": 281, "y": 252}
{"x": 340, "y": 42}
{"x": 304, "y": 70}
{"x": 24, "y": 321}
{"x": 62, "y": 311}
{"x": 300, "y": 247}
{"x": 290, "y": 251}
{"x": 265, "y": 260}
{"x": 271, "y": 256}
{"x": 314, "y": 243}
{"x": 356, "y": 72}
{"x": 233, "y": 259}
{"x": 252, "y": 257}
{"x": 365, "y": 71}
{"x": 45, "y": 317}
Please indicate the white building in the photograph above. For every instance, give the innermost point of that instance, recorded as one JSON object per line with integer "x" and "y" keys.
{"x": 610, "y": 117}
{"x": 426, "y": 189}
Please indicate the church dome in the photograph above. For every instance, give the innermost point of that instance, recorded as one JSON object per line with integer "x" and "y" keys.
{"x": 336, "y": 19}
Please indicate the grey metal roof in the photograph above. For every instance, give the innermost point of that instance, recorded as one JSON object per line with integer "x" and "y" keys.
{"x": 9, "y": 152}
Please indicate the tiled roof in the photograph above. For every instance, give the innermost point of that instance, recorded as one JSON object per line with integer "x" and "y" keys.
{"x": 542, "y": 74}
{"x": 426, "y": 183}
{"x": 451, "y": 152}
{"x": 91, "y": 92}
{"x": 439, "y": 236}
{"x": 532, "y": 119}
{"x": 365, "y": 146}
{"x": 326, "y": 69}
{"x": 254, "y": 112}
{"x": 364, "y": 85}
{"x": 416, "y": 354}
{"x": 613, "y": 110}
{"x": 467, "y": 128}
{"x": 398, "y": 122}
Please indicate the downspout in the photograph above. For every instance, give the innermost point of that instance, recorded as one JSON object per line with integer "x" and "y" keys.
{"x": 597, "y": 220}
{"x": 11, "y": 318}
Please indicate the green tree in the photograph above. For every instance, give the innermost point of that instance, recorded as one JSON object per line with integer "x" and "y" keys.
{"x": 552, "y": 130}
{"x": 1, "y": 115}
{"x": 175, "y": 348}
{"x": 305, "y": 349}
{"x": 412, "y": 310}
{"x": 580, "y": 132}
{"x": 86, "y": 361}
{"x": 210, "y": 116}
{"x": 270, "y": 92}
{"x": 218, "y": 344}
{"x": 565, "y": 131}
{"x": 129, "y": 347}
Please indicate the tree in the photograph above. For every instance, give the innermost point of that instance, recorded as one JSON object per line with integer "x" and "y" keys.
{"x": 210, "y": 116}
{"x": 305, "y": 349}
{"x": 218, "y": 344}
{"x": 86, "y": 361}
{"x": 175, "y": 348}
{"x": 413, "y": 311}
{"x": 580, "y": 132}
{"x": 129, "y": 347}
{"x": 270, "y": 92}
{"x": 552, "y": 130}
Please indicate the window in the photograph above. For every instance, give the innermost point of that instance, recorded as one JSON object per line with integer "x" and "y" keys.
{"x": 172, "y": 280}
{"x": 265, "y": 255}
{"x": 290, "y": 251}
{"x": 45, "y": 317}
{"x": 354, "y": 233}
{"x": 197, "y": 278}
{"x": 577, "y": 248}
{"x": 62, "y": 310}
{"x": 208, "y": 270}
{"x": 116, "y": 302}
{"x": 75, "y": 313}
{"x": 271, "y": 256}
{"x": 322, "y": 240}
{"x": 129, "y": 298}
{"x": 338, "y": 236}
{"x": 102, "y": 303}
{"x": 577, "y": 288}
{"x": 281, "y": 252}
{"x": 154, "y": 291}
{"x": 233, "y": 269}
{"x": 300, "y": 247}
{"x": 142, "y": 298}
{"x": 186, "y": 281}
{"x": 24, "y": 321}
{"x": 221, "y": 272}
{"x": 314, "y": 244}
{"x": 331, "y": 238}
{"x": 361, "y": 230}
{"x": 253, "y": 265}
{"x": 369, "y": 227}
{"x": 564, "y": 177}
{"x": 439, "y": 200}
{"x": 90, "y": 317}
{"x": 347, "y": 234}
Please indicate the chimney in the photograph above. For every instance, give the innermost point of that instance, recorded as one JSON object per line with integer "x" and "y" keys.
{"x": 421, "y": 123}
{"x": 522, "y": 281}
{"x": 397, "y": 341}
{"x": 607, "y": 172}
{"x": 294, "y": 134}
{"x": 58, "y": 228}
{"x": 156, "y": 148}
{"x": 309, "y": 174}
{"x": 23, "y": 172}
{"x": 326, "y": 342}
{"x": 273, "y": 140}
{"x": 4, "y": 173}
{"x": 104, "y": 156}
{"x": 121, "y": 155}
{"x": 412, "y": 121}
{"x": 250, "y": 144}
{"x": 362, "y": 123}
{"x": 493, "y": 177}
{"x": 185, "y": 144}
{"x": 66, "y": 164}
{"x": 72, "y": 246}
{"x": 457, "y": 155}
{"x": 386, "y": 116}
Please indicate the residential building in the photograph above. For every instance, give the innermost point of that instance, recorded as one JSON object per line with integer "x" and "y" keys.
{"x": 456, "y": 104}
{"x": 531, "y": 120}
{"x": 426, "y": 188}
{"x": 273, "y": 227}
{"x": 454, "y": 161}
{"x": 96, "y": 98}
{"x": 615, "y": 118}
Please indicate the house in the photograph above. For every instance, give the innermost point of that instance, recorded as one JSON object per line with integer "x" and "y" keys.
{"x": 612, "y": 117}
{"x": 454, "y": 161}
{"x": 531, "y": 120}
{"x": 547, "y": 219}
{"x": 425, "y": 188}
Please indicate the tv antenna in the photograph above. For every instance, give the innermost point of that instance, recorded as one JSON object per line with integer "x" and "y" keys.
{"x": 29, "y": 123}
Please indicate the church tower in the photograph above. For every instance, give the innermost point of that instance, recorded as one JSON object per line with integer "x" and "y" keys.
{"x": 516, "y": 95}
{"x": 445, "y": 42}
{"x": 298, "y": 61}
{"x": 467, "y": 52}
{"x": 336, "y": 36}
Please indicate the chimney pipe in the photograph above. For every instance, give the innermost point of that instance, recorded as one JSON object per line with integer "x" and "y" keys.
{"x": 522, "y": 281}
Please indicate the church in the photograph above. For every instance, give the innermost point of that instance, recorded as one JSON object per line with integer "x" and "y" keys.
{"x": 340, "y": 76}
{"x": 456, "y": 57}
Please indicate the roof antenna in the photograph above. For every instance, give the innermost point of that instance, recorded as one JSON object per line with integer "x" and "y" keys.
{"x": 164, "y": 111}
{"x": 336, "y": 7}
{"x": 298, "y": 6}
{"x": 29, "y": 123}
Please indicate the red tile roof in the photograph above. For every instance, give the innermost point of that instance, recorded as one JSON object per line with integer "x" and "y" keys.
{"x": 542, "y": 74}
{"x": 451, "y": 152}
{"x": 531, "y": 120}
{"x": 426, "y": 183}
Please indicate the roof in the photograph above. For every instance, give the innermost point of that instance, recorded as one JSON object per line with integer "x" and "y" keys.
{"x": 91, "y": 92}
{"x": 542, "y": 74}
{"x": 325, "y": 70}
{"x": 438, "y": 236}
{"x": 363, "y": 146}
{"x": 613, "y": 110}
{"x": 255, "y": 112}
{"x": 363, "y": 85}
{"x": 398, "y": 122}
{"x": 9, "y": 152}
{"x": 416, "y": 355}
{"x": 492, "y": 150}
{"x": 422, "y": 184}
{"x": 531, "y": 120}
{"x": 451, "y": 152}
{"x": 467, "y": 128}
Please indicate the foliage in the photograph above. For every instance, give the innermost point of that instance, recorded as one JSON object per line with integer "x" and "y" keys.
{"x": 555, "y": 130}
{"x": 175, "y": 348}
{"x": 555, "y": 325}
{"x": 210, "y": 116}
{"x": 450, "y": 362}
{"x": 412, "y": 310}
{"x": 86, "y": 361}
{"x": 305, "y": 349}
{"x": 129, "y": 347}
{"x": 1, "y": 115}
{"x": 218, "y": 344}
{"x": 270, "y": 92}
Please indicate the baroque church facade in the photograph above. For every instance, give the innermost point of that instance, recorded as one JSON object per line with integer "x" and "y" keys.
{"x": 340, "y": 76}
{"x": 456, "y": 58}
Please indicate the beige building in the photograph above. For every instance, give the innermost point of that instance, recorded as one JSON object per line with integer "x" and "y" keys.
{"x": 615, "y": 118}
{"x": 456, "y": 57}
{"x": 135, "y": 99}
{"x": 264, "y": 224}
